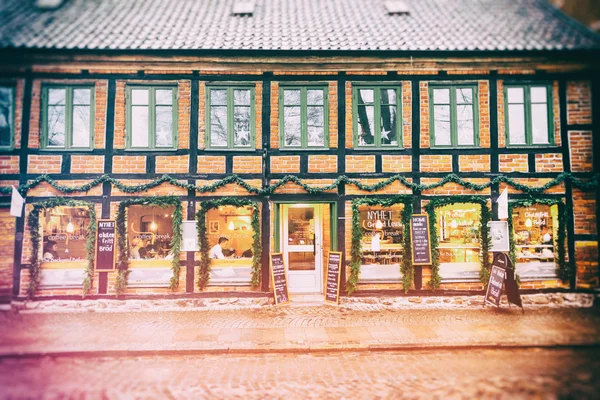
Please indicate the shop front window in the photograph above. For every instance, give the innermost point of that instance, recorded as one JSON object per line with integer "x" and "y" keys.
{"x": 459, "y": 247}
{"x": 65, "y": 232}
{"x": 149, "y": 234}
{"x": 535, "y": 232}
{"x": 381, "y": 243}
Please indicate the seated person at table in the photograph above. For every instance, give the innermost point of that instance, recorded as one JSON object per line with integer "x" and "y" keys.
{"x": 247, "y": 254}
{"x": 216, "y": 252}
{"x": 134, "y": 253}
{"x": 50, "y": 251}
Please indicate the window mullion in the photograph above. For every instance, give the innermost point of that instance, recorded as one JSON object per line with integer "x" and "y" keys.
{"x": 528, "y": 110}
{"x": 68, "y": 117}
{"x": 377, "y": 116}
{"x": 453, "y": 117}
{"x": 152, "y": 116}
{"x": 230, "y": 127}
{"x": 303, "y": 117}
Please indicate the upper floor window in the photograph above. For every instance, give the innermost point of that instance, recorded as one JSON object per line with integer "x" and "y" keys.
{"x": 377, "y": 121}
{"x": 6, "y": 117}
{"x": 528, "y": 115}
{"x": 453, "y": 115}
{"x": 68, "y": 117}
{"x": 151, "y": 117}
{"x": 303, "y": 117}
{"x": 231, "y": 121}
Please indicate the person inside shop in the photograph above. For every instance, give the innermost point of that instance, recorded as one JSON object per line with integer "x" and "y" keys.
{"x": 134, "y": 253}
{"x": 216, "y": 252}
{"x": 50, "y": 251}
{"x": 546, "y": 236}
{"x": 148, "y": 250}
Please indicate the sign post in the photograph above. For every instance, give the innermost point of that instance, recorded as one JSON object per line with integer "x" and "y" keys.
{"x": 420, "y": 237}
{"x": 105, "y": 245}
{"x": 279, "y": 279}
{"x": 332, "y": 290}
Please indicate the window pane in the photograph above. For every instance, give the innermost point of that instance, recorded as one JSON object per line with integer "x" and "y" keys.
{"x": 515, "y": 95}
{"x": 291, "y": 97}
{"x": 81, "y": 126}
{"x": 539, "y": 123}
{"x": 366, "y": 125}
{"x": 164, "y": 126}
{"x": 139, "y": 97}
{"x": 466, "y": 133}
{"x": 388, "y": 125}
{"x": 164, "y": 96}
{"x": 441, "y": 96}
{"x": 6, "y": 121}
{"x": 314, "y": 97}
{"x": 291, "y": 126}
{"x": 315, "y": 126}
{"x": 365, "y": 96}
{"x": 464, "y": 96}
{"x": 441, "y": 125}
{"x": 139, "y": 126}
{"x": 81, "y": 96}
{"x": 218, "y": 97}
{"x": 241, "y": 126}
{"x": 388, "y": 96}
{"x": 56, "y": 96}
{"x": 56, "y": 126}
{"x": 241, "y": 97}
{"x": 516, "y": 123}
{"x": 539, "y": 95}
{"x": 218, "y": 125}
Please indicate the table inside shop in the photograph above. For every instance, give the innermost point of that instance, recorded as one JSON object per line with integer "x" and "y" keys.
{"x": 534, "y": 256}
{"x": 388, "y": 254}
{"x": 460, "y": 247}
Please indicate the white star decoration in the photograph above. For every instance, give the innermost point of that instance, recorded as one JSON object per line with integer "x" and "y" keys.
{"x": 385, "y": 134}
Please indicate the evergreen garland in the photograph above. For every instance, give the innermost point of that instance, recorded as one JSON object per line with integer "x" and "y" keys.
{"x": 122, "y": 245}
{"x": 484, "y": 237}
{"x": 33, "y": 223}
{"x": 205, "y": 206}
{"x": 564, "y": 269}
{"x": 406, "y": 267}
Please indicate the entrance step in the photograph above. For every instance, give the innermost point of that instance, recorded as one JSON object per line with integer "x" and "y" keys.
{"x": 307, "y": 300}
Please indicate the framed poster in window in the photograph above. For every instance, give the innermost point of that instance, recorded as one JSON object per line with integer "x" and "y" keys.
{"x": 499, "y": 236}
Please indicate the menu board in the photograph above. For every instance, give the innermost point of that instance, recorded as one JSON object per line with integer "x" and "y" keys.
{"x": 105, "y": 245}
{"x": 421, "y": 244}
{"x": 497, "y": 276}
{"x": 332, "y": 291}
{"x": 279, "y": 279}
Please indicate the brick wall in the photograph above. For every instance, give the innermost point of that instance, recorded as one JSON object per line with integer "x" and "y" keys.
{"x": 285, "y": 164}
{"x": 45, "y": 190}
{"x": 87, "y": 164}
{"x": 9, "y": 164}
{"x": 172, "y": 164}
{"x": 211, "y": 164}
{"x": 424, "y": 102}
{"x": 579, "y": 102}
{"x": 322, "y": 163}
{"x": 454, "y": 188}
{"x": 474, "y": 163}
{"x": 184, "y": 98}
{"x": 356, "y": 164}
{"x": 586, "y": 259}
{"x": 247, "y": 165}
{"x": 436, "y": 163}
{"x": 513, "y": 163}
{"x": 551, "y": 162}
{"x": 44, "y": 164}
{"x": 581, "y": 147}
{"x": 129, "y": 164}
{"x": 584, "y": 211}
{"x": 394, "y": 188}
{"x": 7, "y": 248}
{"x": 395, "y": 164}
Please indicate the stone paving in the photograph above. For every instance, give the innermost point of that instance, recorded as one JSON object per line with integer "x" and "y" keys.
{"x": 292, "y": 329}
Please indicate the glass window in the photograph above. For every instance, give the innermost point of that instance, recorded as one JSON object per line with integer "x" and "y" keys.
{"x": 381, "y": 243}
{"x": 6, "y": 116}
{"x": 150, "y": 230}
{"x": 529, "y": 115}
{"x": 453, "y": 115}
{"x": 535, "y": 232}
{"x": 229, "y": 232}
{"x": 377, "y": 116}
{"x": 65, "y": 233}
{"x": 459, "y": 227}
{"x": 304, "y": 117}
{"x": 230, "y": 117}
{"x": 151, "y": 120}
{"x": 67, "y": 117}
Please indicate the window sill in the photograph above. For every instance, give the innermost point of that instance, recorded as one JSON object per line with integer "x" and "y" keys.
{"x": 215, "y": 149}
{"x": 148, "y": 150}
{"x": 60, "y": 150}
{"x": 305, "y": 148}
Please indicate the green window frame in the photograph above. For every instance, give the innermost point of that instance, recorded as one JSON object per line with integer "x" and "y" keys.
{"x": 72, "y": 124}
{"x": 7, "y": 117}
{"x": 376, "y": 107}
{"x": 456, "y": 105}
{"x": 146, "y": 109}
{"x": 300, "y": 107}
{"x": 226, "y": 104}
{"x": 525, "y": 122}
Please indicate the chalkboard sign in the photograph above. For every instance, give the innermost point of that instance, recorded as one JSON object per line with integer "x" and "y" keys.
{"x": 497, "y": 276}
{"x": 105, "y": 245}
{"x": 279, "y": 279}
{"x": 332, "y": 291}
{"x": 421, "y": 243}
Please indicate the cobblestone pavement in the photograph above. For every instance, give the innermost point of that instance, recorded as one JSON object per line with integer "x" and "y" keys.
{"x": 294, "y": 329}
{"x": 510, "y": 374}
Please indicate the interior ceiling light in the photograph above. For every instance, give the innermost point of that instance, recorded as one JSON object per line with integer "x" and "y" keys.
{"x": 396, "y": 7}
{"x": 243, "y": 7}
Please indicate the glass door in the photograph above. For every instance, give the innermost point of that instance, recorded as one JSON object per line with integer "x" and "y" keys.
{"x": 302, "y": 239}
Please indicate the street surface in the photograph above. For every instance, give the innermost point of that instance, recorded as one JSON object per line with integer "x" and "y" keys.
{"x": 442, "y": 374}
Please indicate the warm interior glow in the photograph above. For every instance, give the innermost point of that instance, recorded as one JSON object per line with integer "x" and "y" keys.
{"x": 454, "y": 224}
{"x": 378, "y": 224}
{"x": 528, "y": 222}
{"x": 231, "y": 226}
{"x": 70, "y": 227}
{"x": 153, "y": 226}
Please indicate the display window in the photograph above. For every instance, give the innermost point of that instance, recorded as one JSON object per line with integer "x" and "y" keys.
{"x": 149, "y": 232}
{"x": 382, "y": 236}
{"x": 535, "y": 231}
{"x": 229, "y": 233}
{"x": 459, "y": 227}
{"x": 65, "y": 232}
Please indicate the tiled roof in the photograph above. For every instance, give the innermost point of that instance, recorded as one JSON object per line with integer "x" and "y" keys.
{"x": 494, "y": 25}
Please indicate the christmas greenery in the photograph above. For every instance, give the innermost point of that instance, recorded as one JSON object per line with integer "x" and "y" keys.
{"x": 33, "y": 222}
{"x": 123, "y": 247}
{"x": 406, "y": 267}
{"x": 205, "y": 206}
